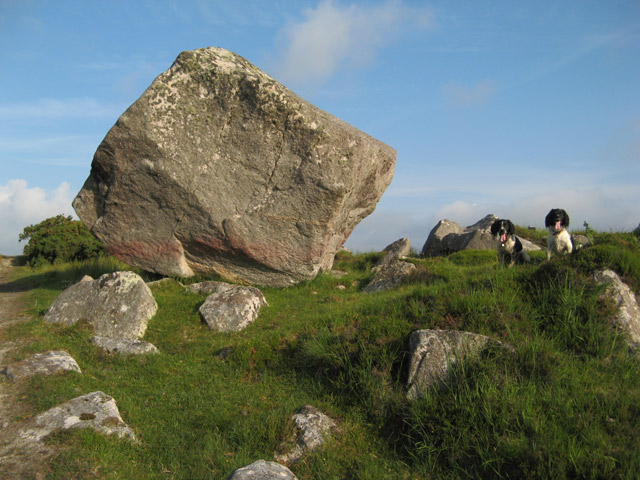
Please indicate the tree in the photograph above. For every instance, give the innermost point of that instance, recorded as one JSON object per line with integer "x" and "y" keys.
{"x": 59, "y": 239}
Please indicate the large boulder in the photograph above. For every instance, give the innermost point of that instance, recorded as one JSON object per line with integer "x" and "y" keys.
{"x": 117, "y": 305}
{"x": 448, "y": 237}
{"x": 218, "y": 168}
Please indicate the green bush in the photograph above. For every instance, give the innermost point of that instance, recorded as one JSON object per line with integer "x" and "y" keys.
{"x": 59, "y": 239}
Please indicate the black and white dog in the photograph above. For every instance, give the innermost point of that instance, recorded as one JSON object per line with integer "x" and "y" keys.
{"x": 510, "y": 249}
{"x": 559, "y": 240}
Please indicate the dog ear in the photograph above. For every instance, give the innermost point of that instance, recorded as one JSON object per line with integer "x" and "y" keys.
{"x": 565, "y": 218}
{"x": 548, "y": 220}
{"x": 495, "y": 227}
{"x": 510, "y": 227}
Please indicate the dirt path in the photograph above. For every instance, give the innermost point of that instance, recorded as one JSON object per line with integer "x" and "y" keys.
{"x": 16, "y": 462}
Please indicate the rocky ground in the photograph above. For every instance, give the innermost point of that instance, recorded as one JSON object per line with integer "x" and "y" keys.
{"x": 17, "y": 460}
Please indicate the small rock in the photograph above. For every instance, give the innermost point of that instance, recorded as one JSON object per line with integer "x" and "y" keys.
{"x": 262, "y": 470}
{"x": 627, "y": 318}
{"x": 124, "y": 346}
{"x": 396, "y": 251}
{"x": 208, "y": 287}
{"x": 232, "y": 309}
{"x": 95, "y": 410}
{"x": 312, "y": 429}
{"x": 389, "y": 275}
{"x": 49, "y": 363}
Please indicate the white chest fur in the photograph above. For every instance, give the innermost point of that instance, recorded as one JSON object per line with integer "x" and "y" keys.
{"x": 559, "y": 242}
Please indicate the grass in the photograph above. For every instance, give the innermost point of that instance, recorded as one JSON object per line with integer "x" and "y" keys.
{"x": 564, "y": 404}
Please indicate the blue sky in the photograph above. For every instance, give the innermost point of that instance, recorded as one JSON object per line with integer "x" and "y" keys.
{"x": 500, "y": 107}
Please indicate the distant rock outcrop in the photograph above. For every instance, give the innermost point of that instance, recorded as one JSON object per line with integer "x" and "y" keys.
{"x": 448, "y": 237}
{"x": 218, "y": 168}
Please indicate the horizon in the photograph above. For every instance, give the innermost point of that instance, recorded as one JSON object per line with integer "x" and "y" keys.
{"x": 509, "y": 109}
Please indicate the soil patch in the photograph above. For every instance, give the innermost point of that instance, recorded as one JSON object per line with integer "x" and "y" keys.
{"x": 17, "y": 461}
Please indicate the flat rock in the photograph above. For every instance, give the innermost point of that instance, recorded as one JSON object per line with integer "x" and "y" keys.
{"x": 389, "y": 275}
{"x": 232, "y": 309}
{"x": 95, "y": 410}
{"x": 262, "y": 470}
{"x": 49, "y": 363}
{"x": 208, "y": 287}
{"x": 117, "y": 305}
{"x": 627, "y": 317}
{"x": 434, "y": 352}
{"x": 219, "y": 169}
{"x": 124, "y": 346}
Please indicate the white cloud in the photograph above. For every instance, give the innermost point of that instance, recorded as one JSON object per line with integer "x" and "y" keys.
{"x": 21, "y": 206}
{"x": 460, "y": 95}
{"x": 334, "y": 36}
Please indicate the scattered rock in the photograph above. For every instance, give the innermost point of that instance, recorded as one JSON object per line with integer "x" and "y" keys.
{"x": 117, "y": 305}
{"x": 396, "y": 251}
{"x": 262, "y": 470}
{"x": 49, "y": 363}
{"x": 627, "y": 318}
{"x": 312, "y": 429}
{"x": 229, "y": 172}
{"x": 389, "y": 275}
{"x": 87, "y": 278}
{"x": 161, "y": 281}
{"x": 124, "y": 346}
{"x": 208, "y": 287}
{"x": 580, "y": 241}
{"x": 232, "y": 309}
{"x": 95, "y": 410}
{"x": 434, "y": 352}
{"x": 338, "y": 273}
{"x": 448, "y": 237}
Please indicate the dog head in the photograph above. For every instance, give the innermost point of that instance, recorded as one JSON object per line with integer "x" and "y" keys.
{"x": 502, "y": 229}
{"x": 556, "y": 220}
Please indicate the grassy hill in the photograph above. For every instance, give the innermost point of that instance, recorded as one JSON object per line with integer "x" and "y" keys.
{"x": 566, "y": 404}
